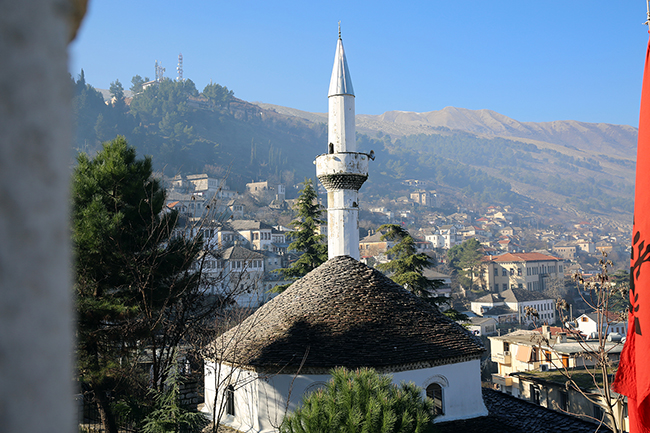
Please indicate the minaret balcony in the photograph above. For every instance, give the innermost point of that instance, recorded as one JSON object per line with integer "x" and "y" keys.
{"x": 344, "y": 170}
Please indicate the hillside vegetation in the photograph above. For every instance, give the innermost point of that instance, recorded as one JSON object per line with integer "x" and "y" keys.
{"x": 477, "y": 157}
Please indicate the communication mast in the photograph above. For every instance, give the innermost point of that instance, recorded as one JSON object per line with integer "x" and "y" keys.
{"x": 179, "y": 68}
{"x": 160, "y": 72}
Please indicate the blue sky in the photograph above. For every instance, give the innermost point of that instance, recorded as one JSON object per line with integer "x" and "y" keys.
{"x": 532, "y": 61}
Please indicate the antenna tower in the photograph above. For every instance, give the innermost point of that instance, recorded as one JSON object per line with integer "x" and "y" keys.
{"x": 160, "y": 72}
{"x": 179, "y": 68}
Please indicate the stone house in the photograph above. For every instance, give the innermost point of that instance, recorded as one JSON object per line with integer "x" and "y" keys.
{"x": 517, "y": 300}
{"x": 257, "y": 233}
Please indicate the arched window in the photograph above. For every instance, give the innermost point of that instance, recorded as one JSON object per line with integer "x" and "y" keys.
{"x": 230, "y": 400}
{"x": 434, "y": 392}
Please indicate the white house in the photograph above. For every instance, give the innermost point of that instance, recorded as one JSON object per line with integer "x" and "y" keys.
{"x": 481, "y": 325}
{"x": 256, "y": 232}
{"x": 609, "y": 322}
{"x": 236, "y": 272}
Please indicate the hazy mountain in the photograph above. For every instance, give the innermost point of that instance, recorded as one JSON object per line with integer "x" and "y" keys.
{"x": 578, "y": 167}
{"x": 613, "y": 140}
{"x": 471, "y": 157}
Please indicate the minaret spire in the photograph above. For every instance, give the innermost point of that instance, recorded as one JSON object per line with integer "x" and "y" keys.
{"x": 342, "y": 170}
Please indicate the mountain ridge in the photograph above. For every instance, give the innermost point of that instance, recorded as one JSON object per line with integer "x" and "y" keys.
{"x": 612, "y": 139}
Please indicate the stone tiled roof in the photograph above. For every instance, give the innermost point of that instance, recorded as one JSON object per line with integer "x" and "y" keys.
{"x": 507, "y": 414}
{"x": 344, "y": 313}
{"x": 249, "y": 225}
{"x": 240, "y": 253}
{"x": 490, "y": 297}
{"x": 373, "y": 238}
{"x": 524, "y": 257}
{"x": 499, "y": 310}
{"x": 522, "y": 295}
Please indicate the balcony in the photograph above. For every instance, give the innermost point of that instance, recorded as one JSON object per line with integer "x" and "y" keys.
{"x": 497, "y": 379}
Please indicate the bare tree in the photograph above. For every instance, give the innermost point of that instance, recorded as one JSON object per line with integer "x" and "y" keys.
{"x": 596, "y": 359}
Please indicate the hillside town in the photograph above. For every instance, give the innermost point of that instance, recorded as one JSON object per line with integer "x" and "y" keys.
{"x": 165, "y": 267}
{"x": 511, "y": 302}
{"x": 513, "y": 307}
{"x": 516, "y": 252}
{"x": 480, "y": 307}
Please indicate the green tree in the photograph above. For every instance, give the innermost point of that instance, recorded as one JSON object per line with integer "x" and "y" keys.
{"x": 465, "y": 261}
{"x": 133, "y": 281}
{"x": 87, "y": 105}
{"x": 406, "y": 265}
{"x": 117, "y": 91}
{"x": 169, "y": 416}
{"x": 361, "y": 401}
{"x": 219, "y": 95}
{"x": 305, "y": 238}
{"x": 136, "y": 84}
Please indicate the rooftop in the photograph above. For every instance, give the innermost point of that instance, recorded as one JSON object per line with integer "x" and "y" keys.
{"x": 344, "y": 313}
{"x": 507, "y": 414}
{"x": 249, "y": 225}
{"x": 522, "y": 257}
{"x": 571, "y": 346}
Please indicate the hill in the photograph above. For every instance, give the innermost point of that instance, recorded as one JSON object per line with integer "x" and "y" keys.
{"x": 581, "y": 168}
{"x": 564, "y": 169}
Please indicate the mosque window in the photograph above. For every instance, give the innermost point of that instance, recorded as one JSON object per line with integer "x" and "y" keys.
{"x": 434, "y": 392}
{"x": 230, "y": 400}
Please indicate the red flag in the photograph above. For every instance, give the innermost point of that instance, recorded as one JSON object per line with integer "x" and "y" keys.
{"x": 633, "y": 375}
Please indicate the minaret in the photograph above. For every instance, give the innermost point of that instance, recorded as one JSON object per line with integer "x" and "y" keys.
{"x": 342, "y": 170}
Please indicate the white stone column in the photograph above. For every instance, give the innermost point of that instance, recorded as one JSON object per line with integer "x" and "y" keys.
{"x": 36, "y": 320}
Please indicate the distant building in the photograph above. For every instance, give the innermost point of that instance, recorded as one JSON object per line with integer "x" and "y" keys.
{"x": 533, "y": 350}
{"x": 530, "y": 271}
{"x": 257, "y": 233}
{"x": 530, "y": 366}
{"x": 516, "y": 300}
{"x": 609, "y": 322}
{"x": 437, "y": 240}
{"x": 425, "y": 198}
{"x": 257, "y": 188}
{"x": 566, "y": 251}
{"x": 481, "y": 326}
{"x": 374, "y": 246}
{"x": 450, "y": 236}
{"x": 236, "y": 272}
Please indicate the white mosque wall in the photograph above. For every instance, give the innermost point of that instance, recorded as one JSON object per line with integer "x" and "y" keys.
{"x": 461, "y": 388}
{"x": 261, "y": 402}
{"x": 245, "y": 382}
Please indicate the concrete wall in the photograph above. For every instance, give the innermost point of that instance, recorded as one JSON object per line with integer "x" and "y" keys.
{"x": 35, "y": 134}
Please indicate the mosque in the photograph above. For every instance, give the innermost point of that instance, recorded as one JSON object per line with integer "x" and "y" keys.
{"x": 343, "y": 313}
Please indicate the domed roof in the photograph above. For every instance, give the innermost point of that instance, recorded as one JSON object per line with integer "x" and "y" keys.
{"x": 344, "y": 313}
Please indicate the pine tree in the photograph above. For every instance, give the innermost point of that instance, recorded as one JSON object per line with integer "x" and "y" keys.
{"x": 361, "y": 401}
{"x": 132, "y": 281}
{"x": 406, "y": 266}
{"x": 169, "y": 416}
{"x": 465, "y": 261}
{"x": 305, "y": 238}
